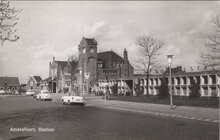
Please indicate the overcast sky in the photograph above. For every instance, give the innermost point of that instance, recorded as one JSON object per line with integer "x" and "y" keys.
{"x": 55, "y": 28}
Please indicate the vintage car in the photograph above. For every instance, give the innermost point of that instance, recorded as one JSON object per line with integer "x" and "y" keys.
{"x": 2, "y": 91}
{"x": 30, "y": 92}
{"x": 73, "y": 100}
{"x": 15, "y": 92}
{"x": 35, "y": 95}
{"x": 43, "y": 95}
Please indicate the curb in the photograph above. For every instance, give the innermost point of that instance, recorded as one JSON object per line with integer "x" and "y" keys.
{"x": 157, "y": 113}
{"x": 149, "y": 112}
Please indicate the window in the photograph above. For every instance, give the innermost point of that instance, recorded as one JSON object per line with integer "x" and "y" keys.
{"x": 100, "y": 65}
{"x": 31, "y": 83}
{"x": 67, "y": 77}
{"x": 68, "y": 83}
{"x": 213, "y": 77}
{"x": 121, "y": 65}
{"x": 117, "y": 65}
{"x": 205, "y": 79}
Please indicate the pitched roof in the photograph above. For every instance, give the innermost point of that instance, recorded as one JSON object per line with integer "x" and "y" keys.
{"x": 37, "y": 78}
{"x": 109, "y": 56}
{"x": 63, "y": 64}
{"x": 49, "y": 79}
{"x": 11, "y": 81}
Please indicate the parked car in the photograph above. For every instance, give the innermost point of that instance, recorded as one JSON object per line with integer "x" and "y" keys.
{"x": 8, "y": 91}
{"x": 15, "y": 92}
{"x": 2, "y": 91}
{"x": 30, "y": 92}
{"x": 35, "y": 95}
{"x": 73, "y": 100}
{"x": 43, "y": 95}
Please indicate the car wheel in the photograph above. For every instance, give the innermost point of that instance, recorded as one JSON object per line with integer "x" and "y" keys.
{"x": 63, "y": 102}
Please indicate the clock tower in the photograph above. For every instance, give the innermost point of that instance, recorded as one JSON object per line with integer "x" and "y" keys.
{"x": 87, "y": 64}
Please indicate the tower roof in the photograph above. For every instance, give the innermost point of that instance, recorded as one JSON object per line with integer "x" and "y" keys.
{"x": 89, "y": 41}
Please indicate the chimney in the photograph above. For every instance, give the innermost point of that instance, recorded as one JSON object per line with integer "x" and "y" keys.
{"x": 53, "y": 59}
{"x": 125, "y": 55}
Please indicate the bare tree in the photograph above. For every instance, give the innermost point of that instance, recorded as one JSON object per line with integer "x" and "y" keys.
{"x": 8, "y": 20}
{"x": 73, "y": 70}
{"x": 210, "y": 56}
{"x": 73, "y": 57}
{"x": 148, "y": 52}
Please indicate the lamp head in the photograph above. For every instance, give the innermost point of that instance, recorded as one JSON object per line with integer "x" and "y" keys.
{"x": 169, "y": 59}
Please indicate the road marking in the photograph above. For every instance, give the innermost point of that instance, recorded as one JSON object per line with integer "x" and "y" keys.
{"x": 155, "y": 113}
{"x": 207, "y": 120}
{"x": 199, "y": 119}
{"x": 191, "y": 118}
{"x": 215, "y": 121}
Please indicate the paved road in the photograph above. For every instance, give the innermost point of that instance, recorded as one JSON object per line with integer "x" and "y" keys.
{"x": 63, "y": 122}
{"x": 185, "y": 112}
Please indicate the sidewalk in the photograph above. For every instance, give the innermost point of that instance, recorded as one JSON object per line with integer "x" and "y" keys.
{"x": 194, "y": 113}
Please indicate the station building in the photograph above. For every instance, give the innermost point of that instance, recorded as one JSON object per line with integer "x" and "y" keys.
{"x": 97, "y": 71}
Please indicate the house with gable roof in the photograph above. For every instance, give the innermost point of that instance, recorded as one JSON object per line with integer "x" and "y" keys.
{"x": 33, "y": 83}
{"x": 9, "y": 83}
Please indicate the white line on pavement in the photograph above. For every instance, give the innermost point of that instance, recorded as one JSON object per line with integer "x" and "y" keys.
{"x": 158, "y": 113}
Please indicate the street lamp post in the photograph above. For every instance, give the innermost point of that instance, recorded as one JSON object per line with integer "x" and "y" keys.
{"x": 107, "y": 86}
{"x": 87, "y": 75}
{"x": 81, "y": 84}
{"x": 52, "y": 84}
{"x": 169, "y": 59}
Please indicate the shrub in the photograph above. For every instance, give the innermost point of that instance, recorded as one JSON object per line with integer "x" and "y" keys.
{"x": 163, "y": 89}
{"x": 194, "y": 89}
{"x": 121, "y": 94}
{"x": 128, "y": 93}
{"x": 115, "y": 89}
{"x": 100, "y": 93}
{"x": 138, "y": 89}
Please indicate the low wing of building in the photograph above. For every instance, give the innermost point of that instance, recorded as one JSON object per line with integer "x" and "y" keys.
{"x": 208, "y": 81}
